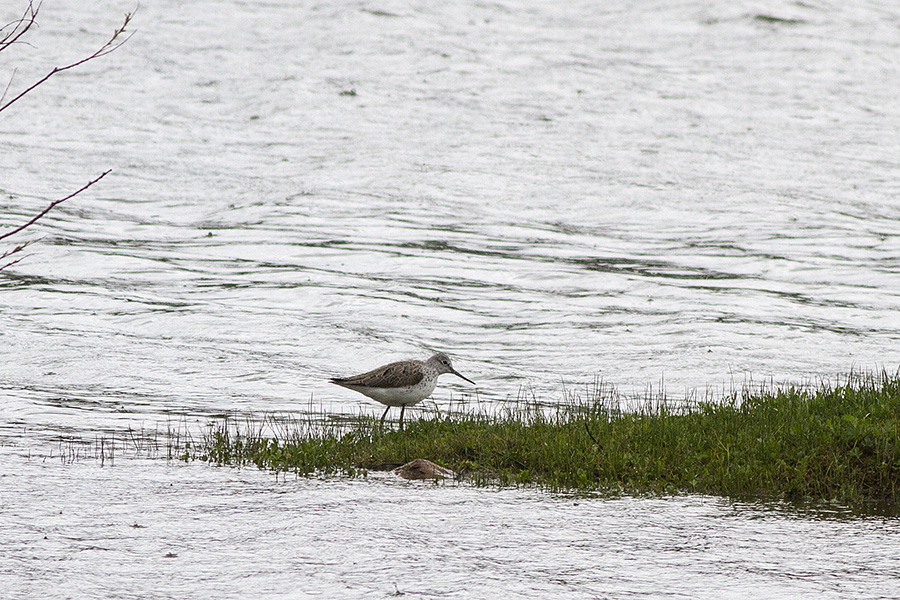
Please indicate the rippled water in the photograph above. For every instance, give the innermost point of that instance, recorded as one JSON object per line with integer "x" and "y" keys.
{"x": 668, "y": 193}
{"x": 191, "y": 530}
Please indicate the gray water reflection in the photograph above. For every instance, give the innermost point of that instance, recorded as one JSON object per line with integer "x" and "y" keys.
{"x": 166, "y": 529}
{"x": 672, "y": 194}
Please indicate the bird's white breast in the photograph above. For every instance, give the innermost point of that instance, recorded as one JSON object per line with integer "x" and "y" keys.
{"x": 399, "y": 396}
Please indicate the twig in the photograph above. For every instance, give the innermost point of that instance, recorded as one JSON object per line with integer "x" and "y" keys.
{"x": 19, "y": 26}
{"x": 8, "y": 83}
{"x": 18, "y": 248}
{"x": 54, "y": 204}
{"x": 111, "y": 45}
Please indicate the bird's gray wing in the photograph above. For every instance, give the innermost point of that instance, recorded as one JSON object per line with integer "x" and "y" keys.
{"x": 398, "y": 374}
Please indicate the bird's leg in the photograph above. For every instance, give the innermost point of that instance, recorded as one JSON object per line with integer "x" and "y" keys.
{"x": 381, "y": 423}
{"x": 402, "y": 408}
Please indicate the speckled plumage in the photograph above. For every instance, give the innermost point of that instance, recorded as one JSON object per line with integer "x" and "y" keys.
{"x": 400, "y": 383}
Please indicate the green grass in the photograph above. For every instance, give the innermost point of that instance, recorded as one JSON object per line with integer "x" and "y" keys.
{"x": 836, "y": 442}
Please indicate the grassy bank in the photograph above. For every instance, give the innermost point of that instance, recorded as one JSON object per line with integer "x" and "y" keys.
{"x": 833, "y": 442}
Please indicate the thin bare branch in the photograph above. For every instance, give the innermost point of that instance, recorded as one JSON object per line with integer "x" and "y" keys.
{"x": 111, "y": 45}
{"x": 53, "y": 205}
{"x": 18, "y": 248}
{"x": 9, "y": 83}
{"x": 11, "y": 263}
{"x": 19, "y": 26}
{"x": 15, "y": 250}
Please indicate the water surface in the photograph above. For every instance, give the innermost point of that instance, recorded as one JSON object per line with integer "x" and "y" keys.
{"x": 670, "y": 195}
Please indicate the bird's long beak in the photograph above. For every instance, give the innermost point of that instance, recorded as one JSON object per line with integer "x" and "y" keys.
{"x": 461, "y": 377}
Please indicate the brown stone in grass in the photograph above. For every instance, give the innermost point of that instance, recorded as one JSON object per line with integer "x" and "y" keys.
{"x": 423, "y": 469}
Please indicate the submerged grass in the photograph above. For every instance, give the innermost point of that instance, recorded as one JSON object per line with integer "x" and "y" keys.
{"x": 836, "y": 442}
